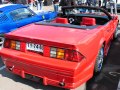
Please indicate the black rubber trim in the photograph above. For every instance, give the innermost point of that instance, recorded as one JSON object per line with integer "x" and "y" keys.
{"x": 67, "y": 25}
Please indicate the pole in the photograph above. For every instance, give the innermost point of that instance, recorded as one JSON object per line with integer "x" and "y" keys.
{"x": 115, "y": 6}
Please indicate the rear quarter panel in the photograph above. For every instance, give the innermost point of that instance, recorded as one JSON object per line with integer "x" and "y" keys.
{"x": 91, "y": 45}
{"x": 89, "y": 48}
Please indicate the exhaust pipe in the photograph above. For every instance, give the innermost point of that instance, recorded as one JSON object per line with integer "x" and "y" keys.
{"x": 11, "y": 68}
{"x": 62, "y": 83}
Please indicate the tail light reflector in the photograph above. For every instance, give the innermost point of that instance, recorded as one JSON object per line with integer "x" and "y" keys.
{"x": 7, "y": 43}
{"x": 13, "y": 44}
{"x": 73, "y": 55}
{"x": 17, "y": 45}
{"x": 68, "y": 54}
{"x": 53, "y": 52}
{"x": 77, "y": 56}
{"x": 60, "y": 53}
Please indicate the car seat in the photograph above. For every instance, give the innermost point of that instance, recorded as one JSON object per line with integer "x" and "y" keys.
{"x": 88, "y": 21}
{"x": 61, "y": 20}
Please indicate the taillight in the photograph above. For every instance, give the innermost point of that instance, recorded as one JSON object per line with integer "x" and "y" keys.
{"x": 17, "y": 45}
{"x": 60, "y": 53}
{"x": 13, "y": 44}
{"x": 7, "y": 43}
{"x": 53, "y": 52}
{"x": 77, "y": 56}
{"x": 64, "y": 54}
{"x": 73, "y": 55}
{"x": 57, "y": 53}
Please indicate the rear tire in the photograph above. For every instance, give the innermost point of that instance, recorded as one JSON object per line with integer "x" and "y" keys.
{"x": 99, "y": 60}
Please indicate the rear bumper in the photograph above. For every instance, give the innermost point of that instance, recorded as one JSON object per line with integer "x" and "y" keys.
{"x": 20, "y": 64}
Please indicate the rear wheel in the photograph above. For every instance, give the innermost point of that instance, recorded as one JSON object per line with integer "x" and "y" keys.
{"x": 99, "y": 60}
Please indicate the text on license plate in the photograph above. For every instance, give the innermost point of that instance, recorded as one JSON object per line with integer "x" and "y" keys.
{"x": 34, "y": 47}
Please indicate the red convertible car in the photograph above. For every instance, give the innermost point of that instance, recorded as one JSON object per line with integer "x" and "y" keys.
{"x": 64, "y": 52}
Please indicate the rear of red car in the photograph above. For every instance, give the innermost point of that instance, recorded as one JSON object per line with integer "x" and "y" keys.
{"x": 56, "y": 63}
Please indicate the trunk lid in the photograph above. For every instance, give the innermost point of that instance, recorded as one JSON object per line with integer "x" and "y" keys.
{"x": 50, "y": 34}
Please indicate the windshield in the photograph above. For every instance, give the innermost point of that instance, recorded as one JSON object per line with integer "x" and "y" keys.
{"x": 21, "y": 13}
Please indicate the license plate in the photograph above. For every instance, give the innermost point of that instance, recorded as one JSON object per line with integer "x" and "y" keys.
{"x": 34, "y": 47}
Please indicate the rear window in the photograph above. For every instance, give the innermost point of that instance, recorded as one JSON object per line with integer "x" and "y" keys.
{"x": 21, "y": 13}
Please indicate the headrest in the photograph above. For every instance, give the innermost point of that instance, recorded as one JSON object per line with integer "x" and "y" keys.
{"x": 88, "y": 21}
{"x": 61, "y": 20}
